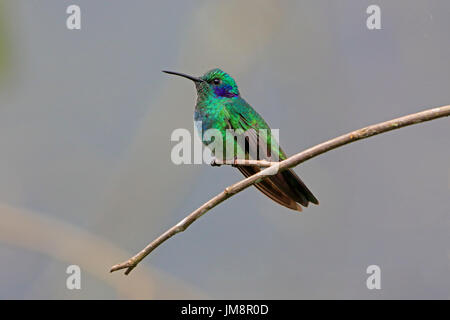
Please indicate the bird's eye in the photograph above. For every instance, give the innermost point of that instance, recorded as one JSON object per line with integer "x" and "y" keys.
{"x": 217, "y": 81}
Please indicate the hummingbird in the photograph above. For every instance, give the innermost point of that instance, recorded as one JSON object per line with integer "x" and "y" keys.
{"x": 220, "y": 106}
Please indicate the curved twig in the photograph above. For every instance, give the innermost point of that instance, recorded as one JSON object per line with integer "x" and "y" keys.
{"x": 242, "y": 162}
{"x": 292, "y": 161}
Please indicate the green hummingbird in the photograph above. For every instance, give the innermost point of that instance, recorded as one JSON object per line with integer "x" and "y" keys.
{"x": 220, "y": 106}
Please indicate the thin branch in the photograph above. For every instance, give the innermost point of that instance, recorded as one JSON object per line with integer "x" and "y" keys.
{"x": 293, "y": 161}
{"x": 242, "y": 162}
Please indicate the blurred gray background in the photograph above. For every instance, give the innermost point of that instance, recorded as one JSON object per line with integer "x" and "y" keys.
{"x": 85, "y": 170}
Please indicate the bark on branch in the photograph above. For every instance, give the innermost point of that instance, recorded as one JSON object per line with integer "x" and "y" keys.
{"x": 241, "y": 162}
{"x": 273, "y": 168}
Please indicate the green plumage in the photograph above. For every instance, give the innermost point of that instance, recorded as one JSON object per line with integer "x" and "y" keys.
{"x": 244, "y": 134}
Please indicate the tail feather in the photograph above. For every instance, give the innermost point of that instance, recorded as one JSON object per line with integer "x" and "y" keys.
{"x": 285, "y": 187}
{"x": 299, "y": 187}
{"x": 270, "y": 189}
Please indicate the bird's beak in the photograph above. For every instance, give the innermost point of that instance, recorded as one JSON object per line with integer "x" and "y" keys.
{"x": 184, "y": 76}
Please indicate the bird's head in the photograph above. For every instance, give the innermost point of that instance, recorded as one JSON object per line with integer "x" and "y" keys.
{"x": 213, "y": 84}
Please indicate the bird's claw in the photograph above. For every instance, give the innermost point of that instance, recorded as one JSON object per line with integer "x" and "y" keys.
{"x": 214, "y": 163}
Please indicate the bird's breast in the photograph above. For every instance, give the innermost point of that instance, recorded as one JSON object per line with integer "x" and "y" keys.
{"x": 206, "y": 118}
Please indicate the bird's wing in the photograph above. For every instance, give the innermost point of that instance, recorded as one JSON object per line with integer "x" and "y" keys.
{"x": 260, "y": 144}
{"x": 284, "y": 187}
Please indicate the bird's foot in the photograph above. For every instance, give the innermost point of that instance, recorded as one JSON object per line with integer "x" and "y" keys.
{"x": 214, "y": 163}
